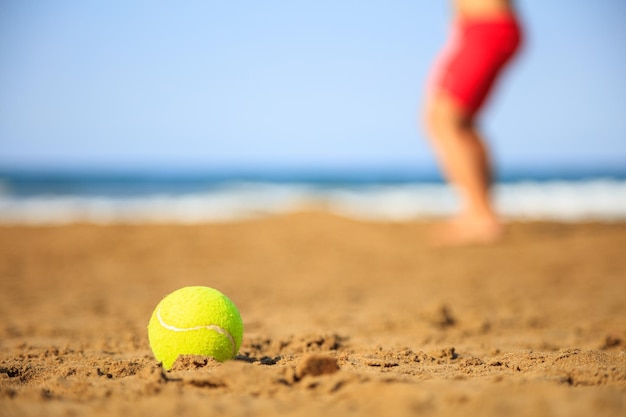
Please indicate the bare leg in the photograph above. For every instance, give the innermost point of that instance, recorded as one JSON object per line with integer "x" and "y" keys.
{"x": 466, "y": 164}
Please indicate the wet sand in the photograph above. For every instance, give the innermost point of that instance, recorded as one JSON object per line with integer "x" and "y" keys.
{"x": 341, "y": 317}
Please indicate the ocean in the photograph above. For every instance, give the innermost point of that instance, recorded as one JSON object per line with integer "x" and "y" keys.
{"x": 112, "y": 197}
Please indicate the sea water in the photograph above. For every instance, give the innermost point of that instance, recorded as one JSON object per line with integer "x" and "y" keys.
{"x": 36, "y": 197}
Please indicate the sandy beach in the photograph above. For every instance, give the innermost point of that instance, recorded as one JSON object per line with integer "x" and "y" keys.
{"x": 342, "y": 317}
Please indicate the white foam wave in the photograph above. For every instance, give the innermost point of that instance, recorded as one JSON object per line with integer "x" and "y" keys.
{"x": 563, "y": 201}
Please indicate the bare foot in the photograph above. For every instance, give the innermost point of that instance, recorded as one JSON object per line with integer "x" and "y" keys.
{"x": 467, "y": 230}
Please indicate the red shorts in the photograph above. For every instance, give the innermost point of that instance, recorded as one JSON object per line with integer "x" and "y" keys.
{"x": 477, "y": 52}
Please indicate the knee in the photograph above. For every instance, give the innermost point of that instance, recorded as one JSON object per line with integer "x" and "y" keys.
{"x": 442, "y": 119}
{"x": 436, "y": 120}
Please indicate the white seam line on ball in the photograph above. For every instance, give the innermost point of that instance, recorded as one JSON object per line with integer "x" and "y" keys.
{"x": 189, "y": 329}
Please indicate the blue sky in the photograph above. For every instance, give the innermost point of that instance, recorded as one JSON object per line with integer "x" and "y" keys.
{"x": 321, "y": 84}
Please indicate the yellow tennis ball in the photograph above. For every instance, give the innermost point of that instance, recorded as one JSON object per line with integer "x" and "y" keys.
{"x": 195, "y": 321}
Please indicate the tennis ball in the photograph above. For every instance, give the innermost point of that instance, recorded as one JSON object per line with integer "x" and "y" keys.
{"x": 195, "y": 321}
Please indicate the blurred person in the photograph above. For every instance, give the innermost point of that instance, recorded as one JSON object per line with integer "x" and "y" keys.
{"x": 485, "y": 35}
